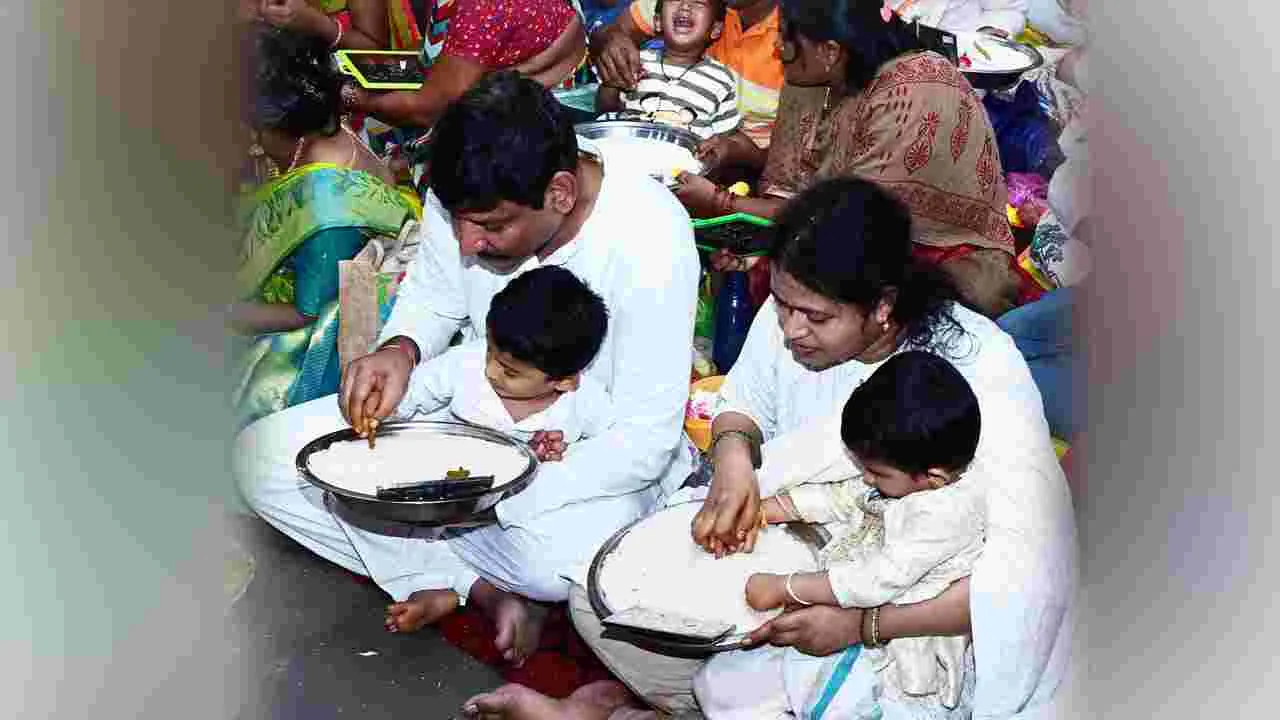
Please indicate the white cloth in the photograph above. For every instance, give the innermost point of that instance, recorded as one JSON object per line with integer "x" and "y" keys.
{"x": 966, "y": 15}
{"x": 771, "y": 683}
{"x": 456, "y": 381}
{"x": 647, "y": 274}
{"x": 1053, "y": 19}
{"x": 1024, "y": 584}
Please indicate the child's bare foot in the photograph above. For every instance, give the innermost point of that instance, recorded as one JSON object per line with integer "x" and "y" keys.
{"x": 422, "y": 608}
{"x": 518, "y": 621}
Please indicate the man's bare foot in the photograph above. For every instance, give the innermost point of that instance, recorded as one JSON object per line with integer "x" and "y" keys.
{"x": 596, "y": 701}
{"x": 518, "y": 621}
{"x": 422, "y": 608}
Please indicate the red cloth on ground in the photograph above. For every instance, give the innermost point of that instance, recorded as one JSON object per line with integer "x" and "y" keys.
{"x": 563, "y": 662}
{"x": 1028, "y": 289}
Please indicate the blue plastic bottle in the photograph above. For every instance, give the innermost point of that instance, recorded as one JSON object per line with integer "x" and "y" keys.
{"x": 734, "y": 313}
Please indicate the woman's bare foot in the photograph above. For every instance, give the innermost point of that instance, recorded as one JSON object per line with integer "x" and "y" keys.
{"x": 596, "y": 701}
{"x": 518, "y": 621}
{"x": 422, "y": 608}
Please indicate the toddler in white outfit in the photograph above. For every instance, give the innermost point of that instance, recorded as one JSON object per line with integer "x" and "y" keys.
{"x": 915, "y": 526}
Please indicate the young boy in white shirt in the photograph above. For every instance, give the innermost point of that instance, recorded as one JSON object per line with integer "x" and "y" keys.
{"x": 915, "y": 520}
{"x": 544, "y": 328}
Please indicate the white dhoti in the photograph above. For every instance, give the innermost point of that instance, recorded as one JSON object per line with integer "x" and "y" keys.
{"x": 529, "y": 560}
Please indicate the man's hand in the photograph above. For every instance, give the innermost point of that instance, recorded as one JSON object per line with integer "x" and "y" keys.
{"x": 818, "y": 630}
{"x": 374, "y": 385}
{"x": 766, "y": 591}
{"x": 548, "y": 445}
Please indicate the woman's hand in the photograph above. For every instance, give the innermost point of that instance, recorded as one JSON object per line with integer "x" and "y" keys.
{"x": 701, "y": 196}
{"x": 766, "y": 591}
{"x": 618, "y": 63}
{"x": 374, "y": 385}
{"x": 818, "y": 630}
{"x": 714, "y": 152}
{"x": 730, "y": 516}
{"x": 548, "y": 445}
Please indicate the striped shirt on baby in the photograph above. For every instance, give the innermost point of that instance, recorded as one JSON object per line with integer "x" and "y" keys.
{"x": 702, "y": 98}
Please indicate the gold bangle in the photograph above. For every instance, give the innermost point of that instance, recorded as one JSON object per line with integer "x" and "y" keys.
{"x": 874, "y": 640}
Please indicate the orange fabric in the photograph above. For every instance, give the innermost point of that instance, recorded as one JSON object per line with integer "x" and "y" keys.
{"x": 752, "y": 53}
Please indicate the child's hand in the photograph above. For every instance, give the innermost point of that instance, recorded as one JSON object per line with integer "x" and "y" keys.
{"x": 548, "y": 445}
{"x": 766, "y": 591}
{"x": 774, "y": 513}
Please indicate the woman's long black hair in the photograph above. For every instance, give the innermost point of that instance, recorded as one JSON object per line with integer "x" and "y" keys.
{"x": 857, "y": 25}
{"x": 849, "y": 240}
{"x": 296, "y": 88}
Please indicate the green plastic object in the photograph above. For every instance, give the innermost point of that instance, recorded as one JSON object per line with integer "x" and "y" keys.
{"x": 701, "y": 226}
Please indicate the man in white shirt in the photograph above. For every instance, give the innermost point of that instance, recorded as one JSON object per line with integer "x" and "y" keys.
{"x": 510, "y": 193}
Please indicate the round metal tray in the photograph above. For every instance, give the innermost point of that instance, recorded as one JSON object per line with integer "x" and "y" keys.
{"x": 645, "y": 130}
{"x": 460, "y": 510}
{"x": 1001, "y": 79}
{"x": 815, "y": 536}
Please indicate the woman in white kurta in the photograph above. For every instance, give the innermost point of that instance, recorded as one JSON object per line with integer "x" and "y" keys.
{"x": 804, "y": 355}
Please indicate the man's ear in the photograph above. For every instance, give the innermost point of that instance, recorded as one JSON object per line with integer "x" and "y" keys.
{"x": 562, "y": 192}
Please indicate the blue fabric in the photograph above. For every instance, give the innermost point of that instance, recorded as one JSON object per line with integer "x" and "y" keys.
{"x": 838, "y": 676}
{"x": 1025, "y": 135}
{"x": 315, "y": 266}
{"x": 1043, "y": 332}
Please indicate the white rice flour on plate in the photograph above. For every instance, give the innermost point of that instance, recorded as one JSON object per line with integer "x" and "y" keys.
{"x": 647, "y": 156}
{"x": 1003, "y": 57}
{"x": 658, "y": 566}
{"x": 413, "y": 457}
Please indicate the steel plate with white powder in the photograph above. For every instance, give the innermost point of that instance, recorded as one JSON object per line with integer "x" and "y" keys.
{"x": 657, "y": 565}
{"x": 413, "y": 457}
{"x": 646, "y": 155}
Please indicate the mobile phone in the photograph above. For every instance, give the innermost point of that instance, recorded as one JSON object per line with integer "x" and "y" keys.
{"x": 939, "y": 41}
{"x": 383, "y": 69}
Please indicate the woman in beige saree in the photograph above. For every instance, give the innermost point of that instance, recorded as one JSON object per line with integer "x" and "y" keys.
{"x": 863, "y": 98}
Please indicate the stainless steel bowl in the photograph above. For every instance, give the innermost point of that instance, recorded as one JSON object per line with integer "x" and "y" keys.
{"x": 1002, "y": 79}
{"x": 636, "y": 129}
{"x": 459, "y": 510}
{"x": 815, "y": 536}
{"x": 644, "y": 130}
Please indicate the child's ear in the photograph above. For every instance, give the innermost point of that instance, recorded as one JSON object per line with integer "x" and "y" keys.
{"x": 566, "y": 385}
{"x": 716, "y": 29}
{"x": 936, "y": 478}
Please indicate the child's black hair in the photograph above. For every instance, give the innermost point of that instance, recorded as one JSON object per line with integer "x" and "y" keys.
{"x": 719, "y": 8}
{"x": 914, "y": 413}
{"x": 550, "y": 319}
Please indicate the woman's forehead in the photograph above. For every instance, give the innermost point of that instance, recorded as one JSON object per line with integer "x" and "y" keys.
{"x": 792, "y": 293}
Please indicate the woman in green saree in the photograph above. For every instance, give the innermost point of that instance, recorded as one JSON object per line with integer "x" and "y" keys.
{"x": 334, "y": 195}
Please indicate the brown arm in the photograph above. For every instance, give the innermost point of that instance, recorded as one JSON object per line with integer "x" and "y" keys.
{"x": 447, "y": 80}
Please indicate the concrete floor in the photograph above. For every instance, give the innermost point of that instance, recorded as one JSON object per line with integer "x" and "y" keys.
{"x": 310, "y": 627}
